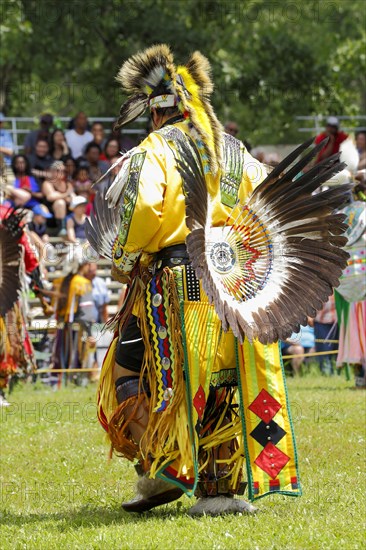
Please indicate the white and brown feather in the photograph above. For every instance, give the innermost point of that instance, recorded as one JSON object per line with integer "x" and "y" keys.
{"x": 101, "y": 227}
{"x": 307, "y": 241}
{"x": 10, "y": 259}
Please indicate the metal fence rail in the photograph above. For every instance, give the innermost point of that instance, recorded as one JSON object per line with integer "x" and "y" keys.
{"x": 319, "y": 121}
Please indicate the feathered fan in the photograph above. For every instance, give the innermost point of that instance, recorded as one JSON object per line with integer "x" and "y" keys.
{"x": 278, "y": 256}
{"x": 102, "y": 226}
{"x": 10, "y": 284}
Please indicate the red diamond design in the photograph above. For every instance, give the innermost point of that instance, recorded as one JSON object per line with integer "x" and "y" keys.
{"x": 265, "y": 406}
{"x": 271, "y": 460}
{"x": 199, "y": 402}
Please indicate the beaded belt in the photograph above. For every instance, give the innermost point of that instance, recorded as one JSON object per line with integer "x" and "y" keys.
{"x": 170, "y": 256}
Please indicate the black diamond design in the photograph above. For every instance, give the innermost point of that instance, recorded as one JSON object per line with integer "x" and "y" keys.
{"x": 264, "y": 433}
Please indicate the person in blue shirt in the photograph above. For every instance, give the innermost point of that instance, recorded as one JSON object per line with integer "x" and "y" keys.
{"x": 6, "y": 142}
{"x": 26, "y": 191}
{"x": 75, "y": 222}
{"x": 100, "y": 293}
{"x": 101, "y": 300}
{"x": 298, "y": 344}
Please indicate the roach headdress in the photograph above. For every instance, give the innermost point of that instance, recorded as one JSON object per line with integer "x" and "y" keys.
{"x": 151, "y": 79}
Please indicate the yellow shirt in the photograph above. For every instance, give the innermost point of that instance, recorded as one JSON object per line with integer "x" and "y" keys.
{"x": 79, "y": 286}
{"x": 154, "y": 203}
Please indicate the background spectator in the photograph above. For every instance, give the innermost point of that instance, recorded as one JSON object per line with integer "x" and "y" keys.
{"x": 73, "y": 302}
{"x": 43, "y": 132}
{"x": 97, "y": 130}
{"x": 231, "y": 128}
{"x": 111, "y": 149}
{"x": 100, "y": 293}
{"x": 26, "y": 191}
{"x": 336, "y": 137}
{"x": 290, "y": 347}
{"x": 361, "y": 148}
{"x": 298, "y": 344}
{"x": 38, "y": 224}
{"x": 75, "y": 223}
{"x": 59, "y": 147}
{"x": 57, "y": 194}
{"x": 82, "y": 183}
{"x": 325, "y": 327}
{"x": 96, "y": 167}
{"x": 70, "y": 166}
{"x": 125, "y": 143}
{"x": 38, "y": 229}
{"x": 40, "y": 160}
{"x": 79, "y": 136}
{"x": 6, "y": 142}
{"x": 100, "y": 296}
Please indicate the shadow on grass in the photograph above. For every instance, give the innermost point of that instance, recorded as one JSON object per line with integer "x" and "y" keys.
{"x": 88, "y": 516}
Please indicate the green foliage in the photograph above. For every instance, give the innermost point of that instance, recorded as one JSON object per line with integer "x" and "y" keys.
{"x": 271, "y": 60}
{"x": 60, "y": 491}
{"x": 348, "y": 65}
{"x": 15, "y": 37}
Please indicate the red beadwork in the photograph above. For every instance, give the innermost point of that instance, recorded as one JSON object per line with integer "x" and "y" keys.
{"x": 199, "y": 402}
{"x": 265, "y": 406}
{"x": 271, "y": 460}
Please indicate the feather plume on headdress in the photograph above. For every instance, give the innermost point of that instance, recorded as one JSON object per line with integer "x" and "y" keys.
{"x": 144, "y": 71}
{"x": 194, "y": 86}
{"x": 152, "y": 73}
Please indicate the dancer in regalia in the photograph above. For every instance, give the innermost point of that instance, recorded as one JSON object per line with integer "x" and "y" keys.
{"x": 351, "y": 296}
{"x": 18, "y": 260}
{"x": 221, "y": 261}
{"x": 75, "y": 314}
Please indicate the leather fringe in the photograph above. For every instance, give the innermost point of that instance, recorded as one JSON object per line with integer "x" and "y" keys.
{"x": 118, "y": 427}
{"x": 166, "y": 437}
{"x": 225, "y": 429}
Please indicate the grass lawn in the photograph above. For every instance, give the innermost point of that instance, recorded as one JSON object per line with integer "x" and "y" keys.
{"x": 58, "y": 489}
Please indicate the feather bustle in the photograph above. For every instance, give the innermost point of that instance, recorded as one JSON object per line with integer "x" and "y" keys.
{"x": 306, "y": 235}
{"x": 10, "y": 257}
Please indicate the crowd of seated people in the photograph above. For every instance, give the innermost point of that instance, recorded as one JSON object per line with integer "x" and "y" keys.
{"x": 57, "y": 171}
{"x": 57, "y": 165}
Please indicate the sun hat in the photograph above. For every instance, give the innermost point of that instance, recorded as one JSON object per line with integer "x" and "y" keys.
{"x": 42, "y": 210}
{"x": 77, "y": 200}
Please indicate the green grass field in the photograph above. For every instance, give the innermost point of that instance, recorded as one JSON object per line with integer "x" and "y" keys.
{"x": 58, "y": 489}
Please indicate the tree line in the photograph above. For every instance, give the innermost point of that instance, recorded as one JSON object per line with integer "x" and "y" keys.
{"x": 271, "y": 59}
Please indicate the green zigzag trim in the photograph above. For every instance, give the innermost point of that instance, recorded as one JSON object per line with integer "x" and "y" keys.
{"x": 242, "y": 417}
{"x": 232, "y": 173}
{"x": 130, "y": 195}
{"x": 189, "y": 402}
